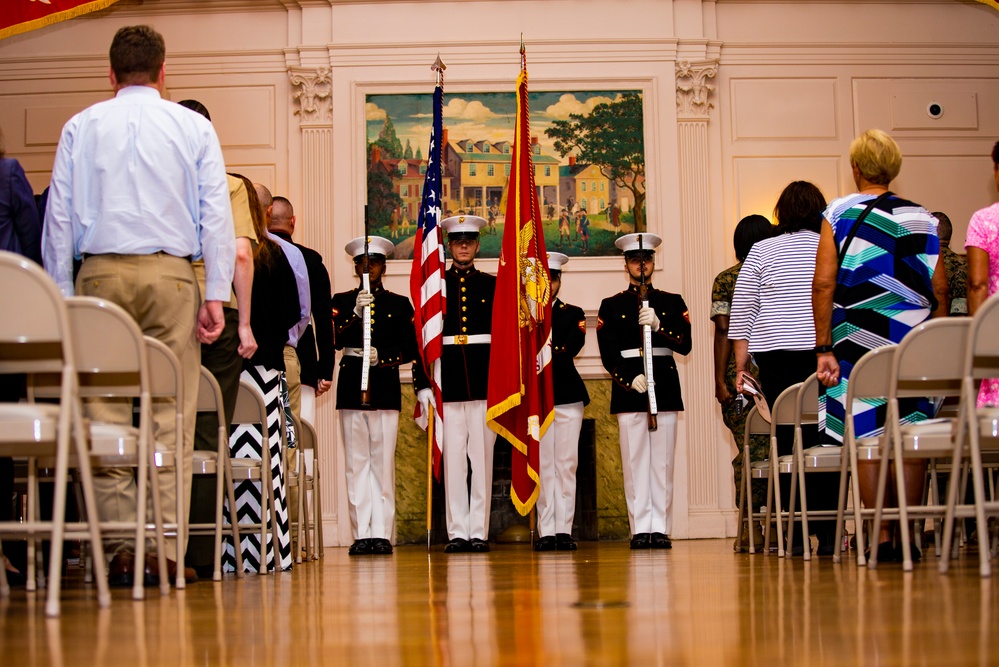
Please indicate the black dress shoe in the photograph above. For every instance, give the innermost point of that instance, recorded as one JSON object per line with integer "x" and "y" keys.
{"x": 546, "y": 543}
{"x": 661, "y": 541}
{"x": 360, "y": 547}
{"x": 380, "y": 546}
{"x": 565, "y": 542}
{"x": 457, "y": 545}
{"x": 121, "y": 571}
{"x": 641, "y": 541}
{"x": 478, "y": 546}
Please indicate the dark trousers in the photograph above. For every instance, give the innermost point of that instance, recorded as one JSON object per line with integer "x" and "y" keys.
{"x": 12, "y": 389}
{"x": 779, "y": 369}
{"x": 223, "y": 360}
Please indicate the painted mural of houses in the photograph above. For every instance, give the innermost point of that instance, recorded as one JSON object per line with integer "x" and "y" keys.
{"x": 584, "y": 186}
{"x": 407, "y": 177}
{"x": 478, "y": 173}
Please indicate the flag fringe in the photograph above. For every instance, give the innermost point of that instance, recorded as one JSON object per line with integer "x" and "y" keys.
{"x": 524, "y": 506}
{"x": 514, "y": 441}
{"x": 55, "y": 17}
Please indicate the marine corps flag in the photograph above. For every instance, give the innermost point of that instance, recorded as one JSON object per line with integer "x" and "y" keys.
{"x": 23, "y": 15}
{"x": 520, "y": 403}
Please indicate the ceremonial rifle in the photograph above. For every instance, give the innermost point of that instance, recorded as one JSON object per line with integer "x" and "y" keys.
{"x": 365, "y": 320}
{"x": 647, "y": 342}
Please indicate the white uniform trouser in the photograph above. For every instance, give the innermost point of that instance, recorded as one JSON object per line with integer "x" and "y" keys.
{"x": 647, "y": 462}
{"x": 558, "y": 458}
{"x": 467, "y": 440}
{"x": 369, "y": 447}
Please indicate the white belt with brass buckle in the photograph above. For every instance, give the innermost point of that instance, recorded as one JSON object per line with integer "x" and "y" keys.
{"x": 462, "y": 339}
{"x": 635, "y": 353}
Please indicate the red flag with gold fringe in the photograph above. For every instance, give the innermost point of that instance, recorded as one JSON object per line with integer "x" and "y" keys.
{"x": 23, "y": 15}
{"x": 520, "y": 405}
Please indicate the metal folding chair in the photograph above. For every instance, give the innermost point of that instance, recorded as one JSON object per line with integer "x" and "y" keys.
{"x": 309, "y": 530}
{"x": 783, "y": 413}
{"x": 929, "y": 362}
{"x": 217, "y": 464}
{"x": 36, "y": 337}
{"x": 979, "y": 430}
{"x": 755, "y": 425}
{"x": 802, "y": 461}
{"x": 869, "y": 379}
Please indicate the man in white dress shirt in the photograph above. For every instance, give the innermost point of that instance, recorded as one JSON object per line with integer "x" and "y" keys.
{"x": 139, "y": 190}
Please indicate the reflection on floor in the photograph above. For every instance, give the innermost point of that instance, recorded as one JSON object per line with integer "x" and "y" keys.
{"x": 698, "y": 604}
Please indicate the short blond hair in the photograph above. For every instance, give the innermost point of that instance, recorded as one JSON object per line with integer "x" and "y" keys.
{"x": 877, "y": 157}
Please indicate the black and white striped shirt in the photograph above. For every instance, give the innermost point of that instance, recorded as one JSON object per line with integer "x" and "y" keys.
{"x": 772, "y": 305}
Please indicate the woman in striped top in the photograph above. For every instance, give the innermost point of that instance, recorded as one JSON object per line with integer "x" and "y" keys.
{"x": 890, "y": 279}
{"x": 772, "y": 320}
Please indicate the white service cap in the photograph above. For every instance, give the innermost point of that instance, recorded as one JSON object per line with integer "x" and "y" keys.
{"x": 556, "y": 260}
{"x": 377, "y": 245}
{"x": 457, "y": 225}
{"x": 629, "y": 242}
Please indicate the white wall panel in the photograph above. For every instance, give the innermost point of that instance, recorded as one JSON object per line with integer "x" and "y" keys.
{"x": 759, "y": 181}
{"x": 956, "y": 185}
{"x": 899, "y": 106}
{"x": 243, "y": 115}
{"x": 783, "y": 108}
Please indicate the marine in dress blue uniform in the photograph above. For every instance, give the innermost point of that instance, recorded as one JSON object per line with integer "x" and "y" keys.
{"x": 646, "y": 456}
{"x": 369, "y": 431}
{"x": 468, "y": 441}
{"x": 559, "y": 451}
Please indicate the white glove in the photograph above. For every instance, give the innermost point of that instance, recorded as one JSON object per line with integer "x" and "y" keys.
{"x": 647, "y": 317}
{"x": 373, "y": 357}
{"x": 424, "y": 396}
{"x": 640, "y": 384}
{"x": 364, "y": 298}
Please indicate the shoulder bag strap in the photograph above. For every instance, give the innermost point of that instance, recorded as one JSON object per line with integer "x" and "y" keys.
{"x": 856, "y": 224}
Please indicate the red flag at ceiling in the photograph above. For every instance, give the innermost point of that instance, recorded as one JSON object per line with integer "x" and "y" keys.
{"x": 23, "y": 15}
{"x": 520, "y": 403}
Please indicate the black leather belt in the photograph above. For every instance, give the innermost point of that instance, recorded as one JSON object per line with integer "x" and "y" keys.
{"x": 85, "y": 256}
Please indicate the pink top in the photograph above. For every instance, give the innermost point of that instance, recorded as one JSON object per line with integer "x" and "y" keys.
{"x": 983, "y": 233}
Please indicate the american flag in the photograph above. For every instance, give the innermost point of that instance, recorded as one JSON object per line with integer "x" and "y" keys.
{"x": 426, "y": 281}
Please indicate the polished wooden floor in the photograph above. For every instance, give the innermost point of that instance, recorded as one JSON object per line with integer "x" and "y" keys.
{"x": 698, "y": 604}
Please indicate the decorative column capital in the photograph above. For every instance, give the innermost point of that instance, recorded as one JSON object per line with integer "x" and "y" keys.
{"x": 693, "y": 89}
{"x": 313, "y": 89}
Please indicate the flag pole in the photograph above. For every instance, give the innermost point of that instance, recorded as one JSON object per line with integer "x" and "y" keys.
{"x": 438, "y": 67}
{"x": 430, "y": 471}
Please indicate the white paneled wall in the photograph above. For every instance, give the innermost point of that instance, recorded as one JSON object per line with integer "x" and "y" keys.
{"x": 791, "y": 84}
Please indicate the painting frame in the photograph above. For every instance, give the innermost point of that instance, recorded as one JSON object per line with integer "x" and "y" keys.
{"x": 573, "y": 196}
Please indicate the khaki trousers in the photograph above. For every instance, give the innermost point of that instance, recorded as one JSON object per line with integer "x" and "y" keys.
{"x": 293, "y": 374}
{"x": 161, "y": 293}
